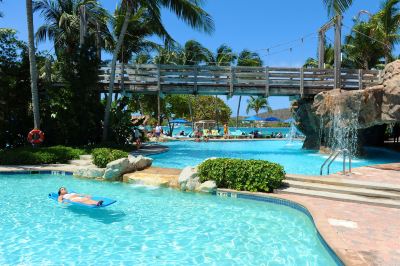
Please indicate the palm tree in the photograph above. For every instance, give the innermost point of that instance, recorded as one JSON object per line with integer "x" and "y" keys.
{"x": 361, "y": 49}
{"x": 246, "y": 58}
{"x": 194, "y": 53}
{"x": 257, "y": 104}
{"x": 188, "y": 11}
{"x": 387, "y": 23}
{"x": 224, "y": 56}
{"x": 32, "y": 65}
{"x": 337, "y": 6}
{"x": 62, "y": 23}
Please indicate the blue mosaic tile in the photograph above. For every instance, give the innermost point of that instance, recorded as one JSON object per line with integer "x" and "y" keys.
{"x": 34, "y": 172}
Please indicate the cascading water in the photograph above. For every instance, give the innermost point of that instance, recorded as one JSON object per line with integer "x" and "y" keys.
{"x": 292, "y": 132}
{"x": 343, "y": 129}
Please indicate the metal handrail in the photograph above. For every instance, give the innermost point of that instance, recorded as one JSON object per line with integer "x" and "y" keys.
{"x": 332, "y": 157}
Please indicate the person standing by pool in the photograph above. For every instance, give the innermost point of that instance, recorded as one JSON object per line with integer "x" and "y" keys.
{"x": 158, "y": 130}
{"x": 226, "y": 131}
{"x": 75, "y": 197}
{"x": 137, "y": 138}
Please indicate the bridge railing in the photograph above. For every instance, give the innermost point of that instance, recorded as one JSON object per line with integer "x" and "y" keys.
{"x": 235, "y": 79}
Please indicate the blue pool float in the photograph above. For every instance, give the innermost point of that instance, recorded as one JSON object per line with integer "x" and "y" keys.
{"x": 106, "y": 201}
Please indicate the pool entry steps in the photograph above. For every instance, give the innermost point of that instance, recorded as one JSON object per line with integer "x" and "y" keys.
{"x": 343, "y": 189}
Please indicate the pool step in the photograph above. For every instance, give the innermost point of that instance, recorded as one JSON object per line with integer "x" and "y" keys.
{"x": 340, "y": 196}
{"x": 345, "y": 181}
{"x": 366, "y": 192}
{"x": 86, "y": 157}
{"x": 81, "y": 162}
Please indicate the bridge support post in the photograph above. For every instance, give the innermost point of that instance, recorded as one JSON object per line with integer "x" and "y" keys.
{"x": 195, "y": 80}
{"x": 158, "y": 95}
{"x": 266, "y": 82}
{"x": 337, "y": 48}
{"x": 321, "y": 49}
{"x": 301, "y": 82}
{"x": 360, "y": 79}
{"x": 231, "y": 84}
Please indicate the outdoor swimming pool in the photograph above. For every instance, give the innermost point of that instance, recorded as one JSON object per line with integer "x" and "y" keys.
{"x": 290, "y": 155}
{"x": 150, "y": 226}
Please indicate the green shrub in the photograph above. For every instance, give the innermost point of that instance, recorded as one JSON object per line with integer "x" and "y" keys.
{"x": 102, "y": 156}
{"x": 248, "y": 175}
{"x": 41, "y": 155}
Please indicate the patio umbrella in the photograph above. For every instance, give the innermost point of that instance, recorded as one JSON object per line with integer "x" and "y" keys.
{"x": 176, "y": 121}
{"x": 179, "y": 121}
{"x": 272, "y": 119}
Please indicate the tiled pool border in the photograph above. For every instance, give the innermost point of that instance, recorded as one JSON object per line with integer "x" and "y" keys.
{"x": 284, "y": 202}
{"x": 35, "y": 172}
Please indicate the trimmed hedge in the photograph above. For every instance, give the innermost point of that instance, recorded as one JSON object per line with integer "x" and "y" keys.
{"x": 41, "y": 155}
{"x": 238, "y": 174}
{"x": 102, "y": 156}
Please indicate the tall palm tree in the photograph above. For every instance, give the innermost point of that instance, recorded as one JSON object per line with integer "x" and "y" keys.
{"x": 194, "y": 53}
{"x": 188, "y": 11}
{"x": 62, "y": 23}
{"x": 337, "y": 6}
{"x": 247, "y": 58}
{"x": 257, "y": 104}
{"x": 32, "y": 65}
{"x": 387, "y": 23}
{"x": 224, "y": 56}
{"x": 361, "y": 50}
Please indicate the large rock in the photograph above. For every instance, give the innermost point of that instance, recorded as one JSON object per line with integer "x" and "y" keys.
{"x": 90, "y": 172}
{"x": 139, "y": 162}
{"x": 372, "y": 106}
{"x": 116, "y": 168}
{"x": 207, "y": 187}
{"x": 189, "y": 179}
{"x": 307, "y": 122}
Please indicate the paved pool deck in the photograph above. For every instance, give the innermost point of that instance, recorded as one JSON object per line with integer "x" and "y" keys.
{"x": 359, "y": 234}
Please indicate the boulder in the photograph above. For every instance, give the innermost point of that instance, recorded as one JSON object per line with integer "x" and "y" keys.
{"x": 139, "y": 162}
{"x": 90, "y": 172}
{"x": 193, "y": 183}
{"x": 186, "y": 178}
{"x": 116, "y": 168}
{"x": 207, "y": 187}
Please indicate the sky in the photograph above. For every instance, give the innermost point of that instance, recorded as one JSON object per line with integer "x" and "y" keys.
{"x": 288, "y": 28}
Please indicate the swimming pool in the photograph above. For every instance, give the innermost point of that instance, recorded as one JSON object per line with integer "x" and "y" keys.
{"x": 294, "y": 159}
{"x": 148, "y": 226}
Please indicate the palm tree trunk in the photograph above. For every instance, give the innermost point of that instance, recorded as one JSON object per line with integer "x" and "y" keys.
{"x": 112, "y": 76}
{"x": 237, "y": 112}
{"x": 98, "y": 42}
{"x": 32, "y": 65}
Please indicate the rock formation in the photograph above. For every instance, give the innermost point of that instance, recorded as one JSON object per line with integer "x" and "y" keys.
{"x": 350, "y": 113}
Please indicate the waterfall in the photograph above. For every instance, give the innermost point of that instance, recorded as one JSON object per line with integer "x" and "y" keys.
{"x": 343, "y": 129}
{"x": 292, "y": 132}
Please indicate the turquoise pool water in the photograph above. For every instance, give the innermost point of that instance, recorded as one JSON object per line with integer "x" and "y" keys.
{"x": 264, "y": 131}
{"x": 148, "y": 226}
{"x": 294, "y": 159}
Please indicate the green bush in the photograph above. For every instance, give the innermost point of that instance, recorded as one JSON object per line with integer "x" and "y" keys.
{"x": 248, "y": 175}
{"x": 41, "y": 155}
{"x": 102, "y": 156}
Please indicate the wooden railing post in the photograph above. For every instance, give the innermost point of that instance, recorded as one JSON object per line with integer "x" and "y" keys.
{"x": 231, "y": 85}
{"x": 266, "y": 82}
{"x": 195, "y": 80}
{"x": 337, "y": 48}
{"x": 301, "y": 82}
{"x": 360, "y": 79}
{"x": 158, "y": 95}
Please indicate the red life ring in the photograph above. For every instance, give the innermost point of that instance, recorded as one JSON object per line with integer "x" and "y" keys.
{"x": 36, "y": 136}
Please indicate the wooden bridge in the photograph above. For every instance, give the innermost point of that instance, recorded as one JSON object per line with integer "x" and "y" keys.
{"x": 238, "y": 80}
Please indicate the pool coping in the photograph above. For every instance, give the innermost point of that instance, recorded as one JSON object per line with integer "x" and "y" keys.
{"x": 264, "y": 197}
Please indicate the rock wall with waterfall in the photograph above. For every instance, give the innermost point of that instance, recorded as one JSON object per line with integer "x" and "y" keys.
{"x": 340, "y": 119}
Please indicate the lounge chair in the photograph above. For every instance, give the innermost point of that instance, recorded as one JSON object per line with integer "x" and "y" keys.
{"x": 237, "y": 133}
